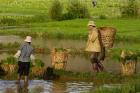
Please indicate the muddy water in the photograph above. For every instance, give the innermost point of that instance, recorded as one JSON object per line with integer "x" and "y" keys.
{"x": 76, "y": 63}
{"x": 49, "y": 43}
{"x": 41, "y": 86}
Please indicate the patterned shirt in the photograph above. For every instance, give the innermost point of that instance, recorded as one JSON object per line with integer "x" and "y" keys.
{"x": 26, "y": 51}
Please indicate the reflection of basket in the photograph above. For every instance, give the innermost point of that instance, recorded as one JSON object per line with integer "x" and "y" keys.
{"x": 59, "y": 59}
{"x": 129, "y": 68}
{"x": 107, "y": 36}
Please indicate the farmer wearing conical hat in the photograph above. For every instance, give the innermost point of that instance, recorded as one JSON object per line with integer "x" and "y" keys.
{"x": 95, "y": 47}
{"x": 24, "y": 55}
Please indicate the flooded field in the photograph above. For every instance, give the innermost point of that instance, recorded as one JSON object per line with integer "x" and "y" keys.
{"x": 41, "y": 86}
{"x": 76, "y": 63}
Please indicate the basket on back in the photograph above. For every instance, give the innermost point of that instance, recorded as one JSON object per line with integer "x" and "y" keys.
{"x": 107, "y": 35}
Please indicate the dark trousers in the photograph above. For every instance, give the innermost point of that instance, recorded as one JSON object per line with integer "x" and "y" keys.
{"x": 96, "y": 58}
{"x": 23, "y": 68}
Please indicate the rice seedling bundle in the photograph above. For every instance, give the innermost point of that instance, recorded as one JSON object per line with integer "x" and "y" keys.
{"x": 38, "y": 68}
{"x": 128, "y": 62}
{"x": 9, "y": 65}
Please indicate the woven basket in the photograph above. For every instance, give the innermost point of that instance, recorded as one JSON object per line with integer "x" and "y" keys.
{"x": 59, "y": 59}
{"x": 107, "y": 35}
{"x": 38, "y": 71}
{"x": 129, "y": 68}
{"x": 9, "y": 68}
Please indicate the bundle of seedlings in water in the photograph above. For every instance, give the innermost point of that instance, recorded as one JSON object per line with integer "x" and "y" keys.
{"x": 128, "y": 61}
{"x": 59, "y": 58}
{"x": 9, "y": 65}
{"x": 38, "y": 68}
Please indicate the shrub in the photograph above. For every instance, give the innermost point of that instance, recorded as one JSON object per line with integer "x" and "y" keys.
{"x": 76, "y": 10}
{"x": 131, "y": 10}
{"x": 102, "y": 17}
{"x": 55, "y": 11}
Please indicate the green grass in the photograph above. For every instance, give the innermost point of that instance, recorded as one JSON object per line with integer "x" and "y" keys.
{"x": 128, "y": 32}
{"x": 126, "y": 28}
{"x": 124, "y": 88}
{"x": 108, "y": 8}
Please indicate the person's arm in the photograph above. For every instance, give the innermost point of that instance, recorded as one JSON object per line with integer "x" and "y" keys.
{"x": 17, "y": 55}
{"x": 93, "y": 37}
{"x": 32, "y": 58}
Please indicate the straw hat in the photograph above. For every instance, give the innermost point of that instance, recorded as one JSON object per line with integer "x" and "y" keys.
{"x": 91, "y": 23}
{"x": 28, "y": 39}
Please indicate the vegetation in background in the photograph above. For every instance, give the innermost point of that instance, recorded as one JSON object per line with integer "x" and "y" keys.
{"x": 75, "y": 10}
{"x": 56, "y": 10}
{"x": 131, "y": 10}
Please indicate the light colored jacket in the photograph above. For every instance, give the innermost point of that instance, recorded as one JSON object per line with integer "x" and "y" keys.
{"x": 93, "y": 43}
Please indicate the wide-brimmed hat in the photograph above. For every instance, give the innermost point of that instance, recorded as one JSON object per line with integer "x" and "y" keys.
{"x": 91, "y": 23}
{"x": 28, "y": 39}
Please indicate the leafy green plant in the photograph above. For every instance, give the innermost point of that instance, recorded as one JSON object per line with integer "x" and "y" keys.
{"x": 55, "y": 11}
{"x": 76, "y": 10}
{"x": 131, "y": 10}
{"x": 38, "y": 63}
{"x": 9, "y": 60}
{"x": 129, "y": 56}
{"x": 102, "y": 17}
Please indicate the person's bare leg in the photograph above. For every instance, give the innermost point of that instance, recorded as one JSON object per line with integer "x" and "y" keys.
{"x": 26, "y": 80}
{"x": 18, "y": 79}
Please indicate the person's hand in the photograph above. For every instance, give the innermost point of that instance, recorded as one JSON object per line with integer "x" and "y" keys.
{"x": 33, "y": 63}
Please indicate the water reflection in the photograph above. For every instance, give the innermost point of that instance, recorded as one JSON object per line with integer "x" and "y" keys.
{"x": 41, "y": 86}
{"x": 22, "y": 89}
{"x": 75, "y": 63}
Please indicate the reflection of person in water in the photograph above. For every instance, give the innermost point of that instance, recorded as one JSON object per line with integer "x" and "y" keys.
{"x": 22, "y": 89}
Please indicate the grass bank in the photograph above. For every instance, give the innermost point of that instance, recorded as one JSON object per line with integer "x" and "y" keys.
{"x": 127, "y": 29}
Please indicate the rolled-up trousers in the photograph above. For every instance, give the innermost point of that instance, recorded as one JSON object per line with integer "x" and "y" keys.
{"x": 96, "y": 58}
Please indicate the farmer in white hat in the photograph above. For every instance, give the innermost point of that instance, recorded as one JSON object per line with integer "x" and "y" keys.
{"x": 24, "y": 55}
{"x": 95, "y": 47}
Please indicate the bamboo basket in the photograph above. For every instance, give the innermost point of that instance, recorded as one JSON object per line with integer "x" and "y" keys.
{"x": 59, "y": 59}
{"x": 5, "y": 67}
{"x": 12, "y": 68}
{"x": 107, "y": 35}
{"x": 9, "y": 68}
{"x": 129, "y": 67}
{"x": 38, "y": 71}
